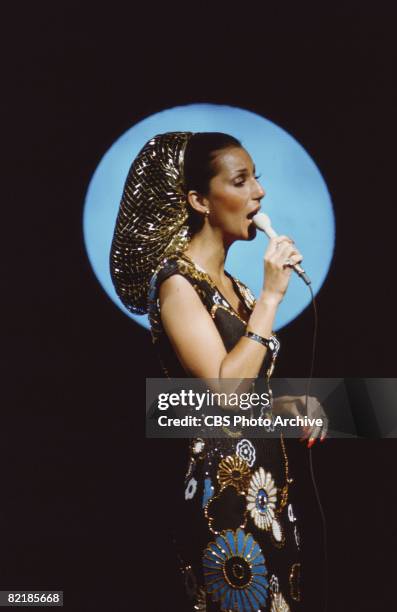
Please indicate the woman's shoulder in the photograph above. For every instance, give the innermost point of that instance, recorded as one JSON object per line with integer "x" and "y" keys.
{"x": 171, "y": 265}
{"x": 178, "y": 264}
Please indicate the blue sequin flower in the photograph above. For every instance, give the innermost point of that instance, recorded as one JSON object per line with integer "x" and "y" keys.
{"x": 208, "y": 491}
{"x": 235, "y": 572}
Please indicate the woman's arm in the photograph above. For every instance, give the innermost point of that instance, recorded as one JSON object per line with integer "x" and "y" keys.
{"x": 193, "y": 333}
{"x": 196, "y": 340}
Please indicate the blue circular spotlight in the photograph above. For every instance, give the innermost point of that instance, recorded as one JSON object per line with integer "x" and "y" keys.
{"x": 297, "y": 199}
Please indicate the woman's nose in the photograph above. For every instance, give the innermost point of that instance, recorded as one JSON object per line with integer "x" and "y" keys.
{"x": 259, "y": 191}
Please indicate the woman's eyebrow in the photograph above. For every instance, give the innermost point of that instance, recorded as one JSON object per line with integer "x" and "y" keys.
{"x": 245, "y": 170}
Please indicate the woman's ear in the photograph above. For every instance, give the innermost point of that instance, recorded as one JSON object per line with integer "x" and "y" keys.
{"x": 197, "y": 201}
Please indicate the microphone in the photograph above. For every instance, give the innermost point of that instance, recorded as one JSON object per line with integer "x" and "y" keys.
{"x": 262, "y": 222}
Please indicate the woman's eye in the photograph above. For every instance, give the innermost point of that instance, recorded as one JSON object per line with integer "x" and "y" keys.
{"x": 241, "y": 182}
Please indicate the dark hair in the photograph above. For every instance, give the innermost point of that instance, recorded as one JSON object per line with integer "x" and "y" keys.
{"x": 199, "y": 167}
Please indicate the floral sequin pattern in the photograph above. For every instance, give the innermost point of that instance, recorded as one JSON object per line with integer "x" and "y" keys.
{"x": 294, "y": 581}
{"x": 279, "y": 604}
{"x": 277, "y": 533}
{"x": 235, "y": 572}
{"x": 208, "y": 491}
{"x": 268, "y": 416}
{"x": 274, "y": 584}
{"x": 234, "y": 471}
{"x": 198, "y": 447}
{"x": 274, "y": 352}
{"x": 274, "y": 345}
{"x": 291, "y": 515}
{"x": 246, "y": 293}
{"x": 262, "y": 498}
{"x": 218, "y": 300}
{"x": 246, "y": 451}
{"x": 297, "y": 536}
{"x": 191, "y": 489}
{"x": 201, "y": 601}
{"x": 190, "y": 468}
{"x": 228, "y": 494}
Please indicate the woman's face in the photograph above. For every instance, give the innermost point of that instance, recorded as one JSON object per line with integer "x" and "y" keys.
{"x": 234, "y": 193}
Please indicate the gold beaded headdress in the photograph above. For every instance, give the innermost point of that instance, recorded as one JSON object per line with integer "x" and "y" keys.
{"x": 151, "y": 222}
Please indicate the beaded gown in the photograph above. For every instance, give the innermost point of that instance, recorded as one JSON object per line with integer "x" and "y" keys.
{"x": 237, "y": 526}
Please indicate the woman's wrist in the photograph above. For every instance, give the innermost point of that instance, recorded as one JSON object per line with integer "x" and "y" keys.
{"x": 270, "y": 298}
{"x": 262, "y": 317}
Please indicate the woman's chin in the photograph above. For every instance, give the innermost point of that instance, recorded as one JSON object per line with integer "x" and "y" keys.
{"x": 247, "y": 232}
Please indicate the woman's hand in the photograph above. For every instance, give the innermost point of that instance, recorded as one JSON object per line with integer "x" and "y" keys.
{"x": 314, "y": 411}
{"x": 281, "y": 254}
{"x": 294, "y": 406}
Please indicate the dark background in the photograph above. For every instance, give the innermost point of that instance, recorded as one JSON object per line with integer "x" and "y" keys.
{"x": 86, "y": 499}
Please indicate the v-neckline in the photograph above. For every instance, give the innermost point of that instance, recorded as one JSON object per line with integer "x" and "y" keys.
{"x": 234, "y": 283}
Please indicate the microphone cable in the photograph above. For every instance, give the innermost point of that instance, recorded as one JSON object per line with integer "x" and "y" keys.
{"x": 322, "y": 514}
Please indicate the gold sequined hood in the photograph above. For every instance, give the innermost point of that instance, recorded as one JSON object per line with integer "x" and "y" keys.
{"x": 151, "y": 222}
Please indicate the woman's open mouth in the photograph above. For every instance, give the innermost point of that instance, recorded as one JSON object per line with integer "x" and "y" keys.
{"x": 252, "y": 214}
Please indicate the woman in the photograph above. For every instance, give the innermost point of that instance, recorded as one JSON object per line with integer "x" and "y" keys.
{"x": 187, "y": 198}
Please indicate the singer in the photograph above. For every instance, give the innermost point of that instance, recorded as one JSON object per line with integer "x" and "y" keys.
{"x": 187, "y": 198}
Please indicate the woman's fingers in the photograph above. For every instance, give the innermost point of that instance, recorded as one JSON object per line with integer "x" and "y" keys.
{"x": 324, "y": 429}
{"x": 314, "y": 410}
{"x": 287, "y": 255}
{"x": 314, "y": 435}
{"x": 295, "y": 258}
{"x": 292, "y": 261}
{"x": 276, "y": 243}
{"x": 306, "y": 432}
{"x": 324, "y": 426}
